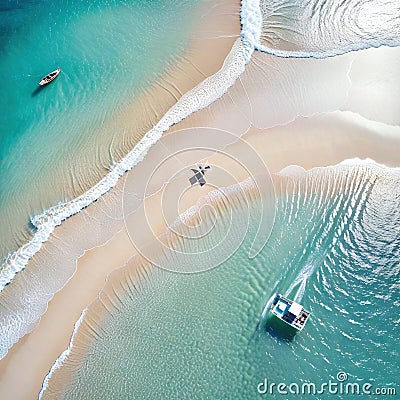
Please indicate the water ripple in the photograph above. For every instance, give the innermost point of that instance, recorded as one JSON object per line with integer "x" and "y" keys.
{"x": 319, "y": 28}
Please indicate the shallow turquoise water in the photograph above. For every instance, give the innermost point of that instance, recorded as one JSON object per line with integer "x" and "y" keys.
{"x": 200, "y": 336}
{"x": 108, "y": 52}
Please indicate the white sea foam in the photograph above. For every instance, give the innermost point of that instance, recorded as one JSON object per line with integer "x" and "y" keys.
{"x": 251, "y": 20}
{"x": 213, "y": 198}
{"x": 322, "y": 54}
{"x": 310, "y": 28}
{"x": 201, "y": 96}
{"x": 63, "y": 356}
{"x": 367, "y": 162}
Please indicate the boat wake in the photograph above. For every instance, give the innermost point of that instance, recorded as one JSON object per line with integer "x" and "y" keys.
{"x": 280, "y": 28}
{"x": 349, "y": 203}
{"x": 301, "y": 279}
{"x": 284, "y": 37}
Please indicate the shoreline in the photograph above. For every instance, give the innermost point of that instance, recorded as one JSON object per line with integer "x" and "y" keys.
{"x": 135, "y": 268}
{"x": 145, "y": 122}
{"x": 293, "y": 143}
{"x": 36, "y": 346}
{"x": 257, "y": 139}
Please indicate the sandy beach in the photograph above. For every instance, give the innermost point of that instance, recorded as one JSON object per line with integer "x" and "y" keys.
{"x": 296, "y": 144}
{"x": 318, "y": 129}
{"x": 35, "y": 353}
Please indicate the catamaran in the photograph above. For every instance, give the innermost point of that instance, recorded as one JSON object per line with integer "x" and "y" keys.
{"x": 289, "y": 312}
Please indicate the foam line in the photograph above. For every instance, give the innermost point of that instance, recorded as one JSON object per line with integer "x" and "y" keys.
{"x": 322, "y": 54}
{"x": 199, "y": 97}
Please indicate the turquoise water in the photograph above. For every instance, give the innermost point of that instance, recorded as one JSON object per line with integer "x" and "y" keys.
{"x": 109, "y": 52}
{"x": 200, "y": 336}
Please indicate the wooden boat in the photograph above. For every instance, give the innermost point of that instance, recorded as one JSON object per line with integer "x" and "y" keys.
{"x": 50, "y": 77}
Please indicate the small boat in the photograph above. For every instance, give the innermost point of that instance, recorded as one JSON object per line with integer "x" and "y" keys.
{"x": 50, "y": 77}
{"x": 292, "y": 314}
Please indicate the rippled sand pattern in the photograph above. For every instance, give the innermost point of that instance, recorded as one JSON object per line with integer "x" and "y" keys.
{"x": 320, "y": 28}
{"x": 168, "y": 335}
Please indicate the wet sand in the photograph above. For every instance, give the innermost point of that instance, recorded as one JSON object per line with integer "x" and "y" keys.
{"x": 283, "y": 117}
{"x": 23, "y": 369}
{"x": 298, "y": 143}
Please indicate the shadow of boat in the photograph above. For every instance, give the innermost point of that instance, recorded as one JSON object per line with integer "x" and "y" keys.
{"x": 279, "y": 330}
{"x": 37, "y": 91}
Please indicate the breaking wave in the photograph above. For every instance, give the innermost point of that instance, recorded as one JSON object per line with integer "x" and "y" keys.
{"x": 281, "y": 28}
{"x": 201, "y": 96}
{"x": 330, "y": 213}
{"x": 304, "y": 28}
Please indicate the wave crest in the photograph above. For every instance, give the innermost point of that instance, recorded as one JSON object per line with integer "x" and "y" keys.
{"x": 303, "y": 28}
